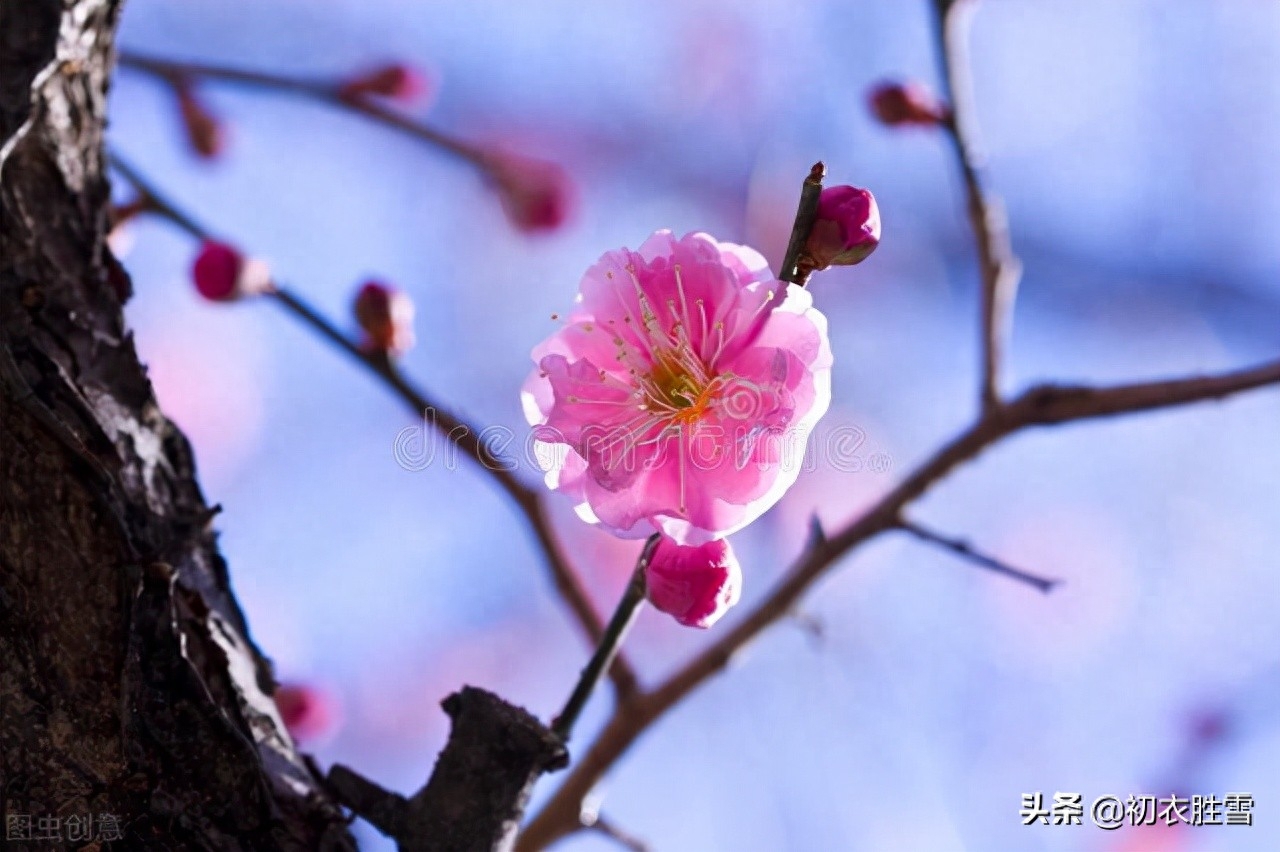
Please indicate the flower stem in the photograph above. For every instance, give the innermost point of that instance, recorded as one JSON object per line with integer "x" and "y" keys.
{"x": 806, "y": 212}
{"x": 614, "y": 633}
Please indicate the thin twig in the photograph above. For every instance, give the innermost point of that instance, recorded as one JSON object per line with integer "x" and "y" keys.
{"x": 1001, "y": 269}
{"x": 806, "y": 213}
{"x": 153, "y": 201}
{"x": 324, "y": 91}
{"x": 623, "y": 617}
{"x": 623, "y": 838}
{"x": 452, "y": 427}
{"x": 1038, "y": 406}
{"x": 965, "y": 551}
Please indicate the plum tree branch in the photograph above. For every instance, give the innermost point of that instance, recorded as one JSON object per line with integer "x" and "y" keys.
{"x": 623, "y": 838}
{"x": 1001, "y": 269}
{"x": 323, "y": 91}
{"x": 465, "y": 436}
{"x": 1042, "y": 405}
{"x": 966, "y": 551}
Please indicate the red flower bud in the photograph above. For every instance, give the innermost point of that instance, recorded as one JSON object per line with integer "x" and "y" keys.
{"x": 536, "y": 195}
{"x": 694, "y": 585}
{"x": 222, "y": 274}
{"x": 307, "y": 712}
{"x": 204, "y": 130}
{"x": 847, "y": 229}
{"x": 386, "y": 317}
{"x": 396, "y": 81}
{"x": 909, "y": 103}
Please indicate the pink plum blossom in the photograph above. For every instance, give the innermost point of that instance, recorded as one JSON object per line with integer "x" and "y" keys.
{"x": 680, "y": 392}
{"x": 694, "y": 585}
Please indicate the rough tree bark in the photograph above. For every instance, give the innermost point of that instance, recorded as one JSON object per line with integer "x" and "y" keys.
{"x": 129, "y": 686}
{"x": 130, "y": 690}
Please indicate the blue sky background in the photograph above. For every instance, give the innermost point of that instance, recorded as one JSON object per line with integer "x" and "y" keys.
{"x": 1134, "y": 144}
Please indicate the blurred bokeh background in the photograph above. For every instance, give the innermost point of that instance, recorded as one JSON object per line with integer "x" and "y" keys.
{"x": 1134, "y": 144}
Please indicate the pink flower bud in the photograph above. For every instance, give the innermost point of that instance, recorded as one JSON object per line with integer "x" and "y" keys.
{"x": 536, "y": 195}
{"x": 847, "y": 229}
{"x": 386, "y": 317}
{"x": 694, "y": 585}
{"x": 307, "y": 712}
{"x": 222, "y": 274}
{"x": 204, "y": 130}
{"x": 909, "y": 103}
{"x": 396, "y": 81}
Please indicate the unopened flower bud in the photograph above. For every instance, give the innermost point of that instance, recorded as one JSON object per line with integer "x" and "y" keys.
{"x": 396, "y": 81}
{"x": 536, "y": 195}
{"x": 307, "y": 712}
{"x": 204, "y": 130}
{"x": 846, "y": 230}
{"x": 908, "y": 103}
{"x": 222, "y": 274}
{"x": 694, "y": 585}
{"x": 386, "y": 317}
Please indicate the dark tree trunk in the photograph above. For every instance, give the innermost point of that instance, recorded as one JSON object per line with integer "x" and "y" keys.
{"x": 130, "y": 691}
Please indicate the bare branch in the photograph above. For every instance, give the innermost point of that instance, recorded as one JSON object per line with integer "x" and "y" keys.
{"x": 324, "y": 91}
{"x": 1001, "y": 269}
{"x": 1046, "y": 405}
{"x": 1041, "y": 405}
{"x": 453, "y": 428}
{"x": 964, "y": 550}
{"x": 623, "y": 838}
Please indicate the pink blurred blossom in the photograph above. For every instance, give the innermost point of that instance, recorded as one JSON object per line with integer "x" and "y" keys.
{"x": 308, "y": 712}
{"x": 681, "y": 389}
{"x": 1080, "y": 620}
{"x": 694, "y": 585}
{"x": 212, "y": 376}
{"x": 1158, "y": 837}
{"x": 536, "y": 195}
